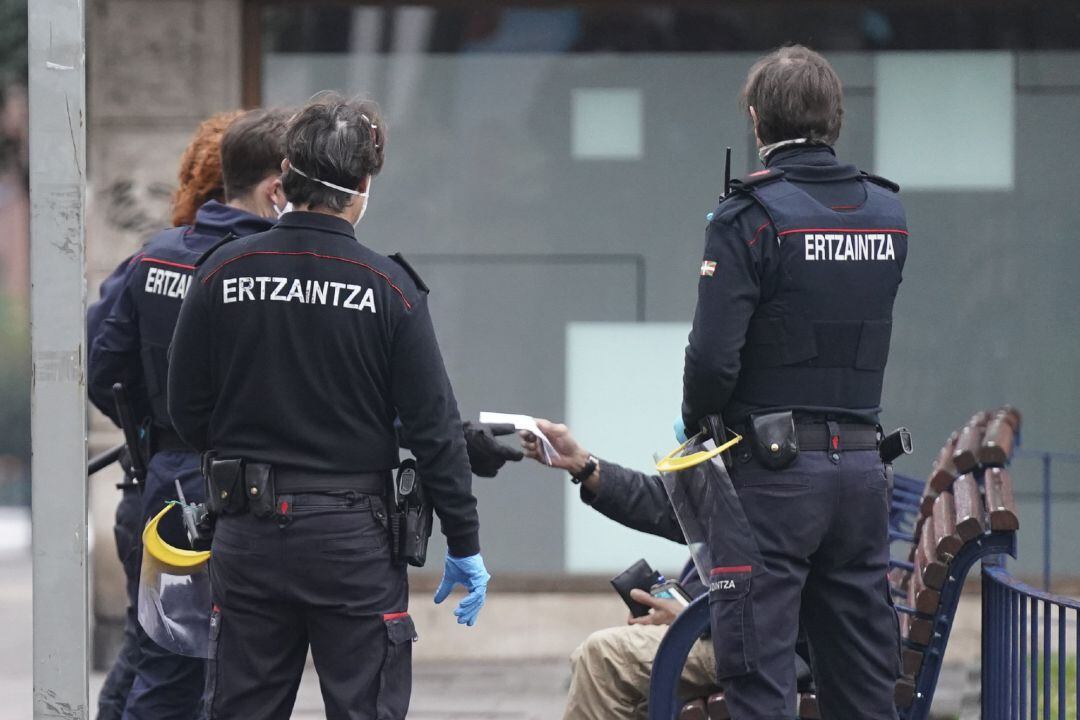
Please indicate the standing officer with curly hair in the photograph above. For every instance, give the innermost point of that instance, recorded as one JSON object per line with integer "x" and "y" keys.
{"x": 296, "y": 352}
{"x": 130, "y": 330}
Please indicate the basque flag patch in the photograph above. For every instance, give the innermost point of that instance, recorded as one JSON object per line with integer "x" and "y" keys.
{"x": 708, "y": 268}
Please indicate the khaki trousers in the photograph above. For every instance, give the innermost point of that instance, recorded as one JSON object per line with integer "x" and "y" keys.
{"x": 610, "y": 673}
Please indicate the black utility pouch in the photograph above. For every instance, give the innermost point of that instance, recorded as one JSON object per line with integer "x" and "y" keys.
{"x": 259, "y": 488}
{"x": 775, "y": 442}
{"x": 225, "y": 486}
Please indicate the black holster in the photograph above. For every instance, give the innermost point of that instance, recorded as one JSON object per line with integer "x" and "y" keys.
{"x": 410, "y": 517}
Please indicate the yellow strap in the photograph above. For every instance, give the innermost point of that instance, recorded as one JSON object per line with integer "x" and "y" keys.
{"x": 671, "y": 463}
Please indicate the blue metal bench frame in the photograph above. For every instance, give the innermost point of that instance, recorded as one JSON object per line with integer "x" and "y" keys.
{"x": 693, "y": 622}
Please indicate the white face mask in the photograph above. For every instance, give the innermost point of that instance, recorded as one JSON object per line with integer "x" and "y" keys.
{"x": 765, "y": 151}
{"x": 367, "y": 201}
{"x": 282, "y": 210}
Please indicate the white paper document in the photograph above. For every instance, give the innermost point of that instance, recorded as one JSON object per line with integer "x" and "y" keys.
{"x": 522, "y": 422}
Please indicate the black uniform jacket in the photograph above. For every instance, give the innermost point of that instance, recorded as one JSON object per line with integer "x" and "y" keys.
{"x": 129, "y": 328}
{"x": 741, "y": 268}
{"x": 299, "y": 347}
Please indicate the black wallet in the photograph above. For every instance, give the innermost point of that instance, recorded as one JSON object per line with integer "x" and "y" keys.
{"x": 640, "y": 576}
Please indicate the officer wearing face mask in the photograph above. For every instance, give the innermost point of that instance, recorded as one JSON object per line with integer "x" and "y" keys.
{"x": 300, "y": 356}
{"x": 803, "y": 260}
{"x": 129, "y": 344}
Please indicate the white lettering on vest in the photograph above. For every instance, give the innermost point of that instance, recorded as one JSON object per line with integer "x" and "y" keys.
{"x": 304, "y": 292}
{"x": 841, "y": 247}
{"x": 169, "y": 283}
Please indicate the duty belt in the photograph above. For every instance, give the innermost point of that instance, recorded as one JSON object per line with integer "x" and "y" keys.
{"x": 836, "y": 436}
{"x": 288, "y": 481}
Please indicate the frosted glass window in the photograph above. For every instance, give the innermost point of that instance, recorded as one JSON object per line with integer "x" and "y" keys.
{"x": 607, "y": 124}
{"x": 623, "y": 394}
{"x": 945, "y": 120}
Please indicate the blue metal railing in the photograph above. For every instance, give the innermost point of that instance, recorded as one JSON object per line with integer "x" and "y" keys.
{"x": 1029, "y": 650}
{"x": 1047, "y": 458}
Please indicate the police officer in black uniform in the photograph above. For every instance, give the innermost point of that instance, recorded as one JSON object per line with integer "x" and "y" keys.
{"x": 130, "y": 346}
{"x": 126, "y": 526}
{"x": 802, "y": 263}
{"x": 297, "y": 352}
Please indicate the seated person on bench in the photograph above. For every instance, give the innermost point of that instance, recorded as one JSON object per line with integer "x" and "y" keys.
{"x": 610, "y": 670}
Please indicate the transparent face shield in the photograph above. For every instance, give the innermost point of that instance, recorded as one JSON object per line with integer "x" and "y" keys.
{"x": 174, "y": 594}
{"x": 708, "y": 509}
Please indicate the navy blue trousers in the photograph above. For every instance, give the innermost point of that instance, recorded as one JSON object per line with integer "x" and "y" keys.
{"x": 319, "y": 576}
{"x": 822, "y": 527}
{"x": 167, "y": 686}
{"x": 127, "y": 530}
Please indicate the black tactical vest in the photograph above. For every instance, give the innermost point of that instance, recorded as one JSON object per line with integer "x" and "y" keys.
{"x": 158, "y": 286}
{"x": 822, "y": 338}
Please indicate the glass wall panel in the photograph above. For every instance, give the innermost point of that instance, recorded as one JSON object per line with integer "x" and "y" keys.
{"x": 624, "y": 409}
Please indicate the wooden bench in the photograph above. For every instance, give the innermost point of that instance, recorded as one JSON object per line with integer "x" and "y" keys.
{"x": 967, "y": 512}
{"x": 964, "y": 511}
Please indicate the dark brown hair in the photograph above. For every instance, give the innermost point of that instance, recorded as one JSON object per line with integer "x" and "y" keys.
{"x": 200, "y": 169}
{"x": 796, "y": 94}
{"x": 335, "y": 140}
{"x": 252, "y": 149}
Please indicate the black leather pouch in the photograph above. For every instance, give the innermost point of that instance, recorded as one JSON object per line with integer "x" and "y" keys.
{"x": 639, "y": 576}
{"x": 259, "y": 488}
{"x": 775, "y": 442}
{"x": 225, "y": 487}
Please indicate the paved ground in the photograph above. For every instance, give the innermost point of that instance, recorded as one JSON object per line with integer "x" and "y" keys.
{"x": 444, "y": 689}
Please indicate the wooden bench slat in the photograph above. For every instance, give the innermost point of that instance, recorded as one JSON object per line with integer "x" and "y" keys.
{"x": 944, "y": 472}
{"x": 1000, "y": 503}
{"x": 905, "y": 692}
{"x": 912, "y": 660}
{"x": 898, "y": 581}
{"x": 925, "y": 599}
{"x": 919, "y": 524}
{"x": 808, "y": 707}
{"x": 965, "y": 456}
{"x": 929, "y": 571}
{"x": 694, "y": 710}
{"x": 969, "y": 508}
{"x": 920, "y": 630}
{"x": 997, "y": 445}
{"x": 946, "y": 540}
{"x": 926, "y": 505}
{"x": 718, "y": 707}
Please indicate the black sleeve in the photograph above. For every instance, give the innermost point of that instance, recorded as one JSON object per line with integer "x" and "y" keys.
{"x": 728, "y": 293}
{"x": 636, "y": 500}
{"x": 112, "y": 325}
{"x": 431, "y": 428}
{"x": 191, "y": 391}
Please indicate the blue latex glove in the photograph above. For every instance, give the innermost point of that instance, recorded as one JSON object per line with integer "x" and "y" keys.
{"x": 471, "y": 573}
{"x": 680, "y": 430}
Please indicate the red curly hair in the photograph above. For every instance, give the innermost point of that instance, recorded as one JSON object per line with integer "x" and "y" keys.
{"x": 200, "y": 169}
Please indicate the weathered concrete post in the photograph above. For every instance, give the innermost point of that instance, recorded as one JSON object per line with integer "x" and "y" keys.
{"x": 58, "y": 393}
